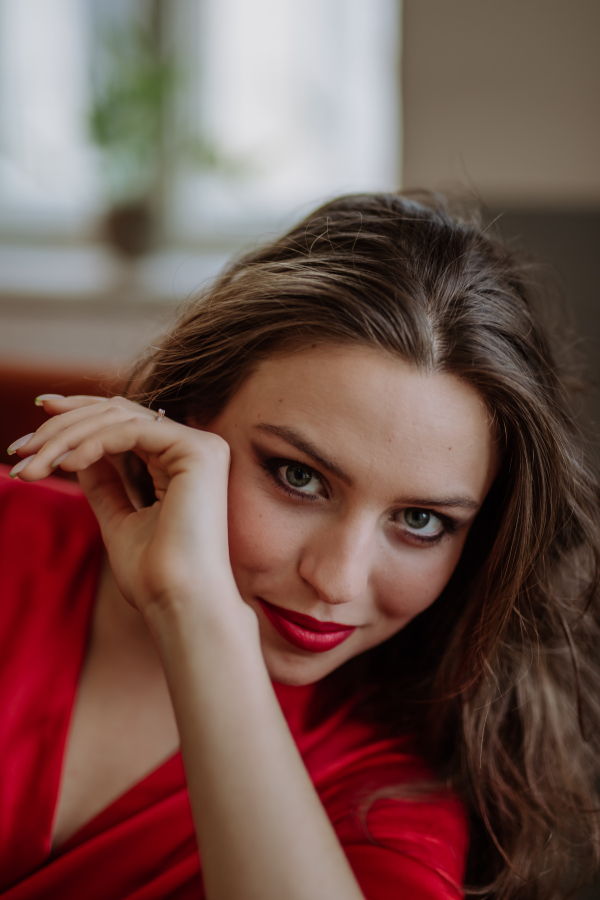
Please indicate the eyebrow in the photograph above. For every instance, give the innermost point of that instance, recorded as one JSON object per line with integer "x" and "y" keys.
{"x": 292, "y": 437}
{"x": 304, "y": 446}
{"x": 448, "y": 502}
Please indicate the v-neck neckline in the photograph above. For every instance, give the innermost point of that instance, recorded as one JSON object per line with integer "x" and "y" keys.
{"x": 165, "y": 779}
{"x": 127, "y": 797}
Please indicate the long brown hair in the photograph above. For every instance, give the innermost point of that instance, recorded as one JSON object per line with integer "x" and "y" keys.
{"x": 499, "y": 677}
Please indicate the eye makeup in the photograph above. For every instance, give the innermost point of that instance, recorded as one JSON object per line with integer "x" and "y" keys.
{"x": 273, "y": 466}
{"x": 448, "y": 526}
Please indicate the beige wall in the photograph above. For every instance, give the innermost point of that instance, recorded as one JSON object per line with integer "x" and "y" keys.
{"x": 504, "y": 96}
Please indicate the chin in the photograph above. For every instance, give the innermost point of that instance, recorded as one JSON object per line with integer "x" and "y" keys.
{"x": 295, "y": 670}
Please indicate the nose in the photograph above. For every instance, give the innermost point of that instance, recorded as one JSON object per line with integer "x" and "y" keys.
{"x": 337, "y": 561}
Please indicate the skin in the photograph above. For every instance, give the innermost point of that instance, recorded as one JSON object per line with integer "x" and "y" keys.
{"x": 383, "y": 439}
{"x": 349, "y": 557}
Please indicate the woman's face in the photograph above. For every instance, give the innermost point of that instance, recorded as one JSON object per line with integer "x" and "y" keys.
{"x": 354, "y": 482}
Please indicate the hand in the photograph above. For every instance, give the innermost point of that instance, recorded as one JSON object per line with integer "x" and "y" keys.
{"x": 177, "y": 548}
{"x": 261, "y": 828}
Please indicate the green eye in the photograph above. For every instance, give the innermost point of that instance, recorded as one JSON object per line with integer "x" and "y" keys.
{"x": 297, "y": 477}
{"x": 429, "y": 526}
{"x": 417, "y": 518}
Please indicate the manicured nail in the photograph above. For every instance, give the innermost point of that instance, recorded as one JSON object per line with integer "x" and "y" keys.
{"x": 61, "y": 458}
{"x": 16, "y": 445}
{"x": 20, "y": 466}
{"x": 39, "y": 401}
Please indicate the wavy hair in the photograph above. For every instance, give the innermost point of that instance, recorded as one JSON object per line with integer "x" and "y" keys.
{"x": 499, "y": 677}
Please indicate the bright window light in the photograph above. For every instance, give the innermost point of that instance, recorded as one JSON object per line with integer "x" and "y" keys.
{"x": 281, "y": 104}
{"x": 46, "y": 163}
{"x": 298, "y": 102}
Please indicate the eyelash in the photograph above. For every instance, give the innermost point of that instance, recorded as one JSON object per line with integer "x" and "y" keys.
{"x": 450, "y": 526}
{"x": 272, "y": 466}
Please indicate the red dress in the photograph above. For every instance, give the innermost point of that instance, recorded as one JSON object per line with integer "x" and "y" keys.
{"x": 143, "y": 846}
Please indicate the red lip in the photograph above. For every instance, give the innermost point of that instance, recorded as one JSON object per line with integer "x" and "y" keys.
{"x": 305, "y": 632}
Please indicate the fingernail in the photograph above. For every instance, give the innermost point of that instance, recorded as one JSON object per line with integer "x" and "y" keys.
{"x": 20, "y": 466}
{"x": 61, "y": 458}
{"x": 16, "y": 445}
{"x": 39, "y": 401}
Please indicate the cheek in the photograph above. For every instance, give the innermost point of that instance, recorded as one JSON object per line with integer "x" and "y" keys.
{"x": 405, "y": 590}
{"x": 260, "y": 538}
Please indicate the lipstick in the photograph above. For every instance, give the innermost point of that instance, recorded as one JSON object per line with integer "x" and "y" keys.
{"x": 305, "y": 632}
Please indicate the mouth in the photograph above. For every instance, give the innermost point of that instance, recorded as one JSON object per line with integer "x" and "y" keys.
{"x": 305, "y": 632}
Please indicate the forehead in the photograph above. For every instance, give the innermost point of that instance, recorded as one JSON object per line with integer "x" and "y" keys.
{"x": 364, "y": 405}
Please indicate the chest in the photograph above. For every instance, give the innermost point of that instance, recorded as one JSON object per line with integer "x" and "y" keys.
{"x": 122, "y": 727}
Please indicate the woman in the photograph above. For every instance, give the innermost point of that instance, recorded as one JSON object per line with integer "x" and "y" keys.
{"x": 407, "y": 571}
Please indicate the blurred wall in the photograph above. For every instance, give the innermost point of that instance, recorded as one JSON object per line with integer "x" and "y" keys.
{"x": 504, "y": 95}
{"x": 502, "y": 98}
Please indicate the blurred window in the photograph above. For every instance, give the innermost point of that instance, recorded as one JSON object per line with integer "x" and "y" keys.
{"x": 278, "y": 104}
{"x": 296, "y": 101}
{"x": 47, "y": 168}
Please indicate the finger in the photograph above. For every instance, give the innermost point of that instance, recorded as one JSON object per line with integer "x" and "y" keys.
{"x": 92, "y": 439}
{"x": 62, "y": 421}
{"x": 75, "y": 401}
{"x": 106, "y": 494}
{"x": 160, "y": 479}
{"x": 173, "y": 447}
{"x": 53, "y": 404}
{"x": 57, "y": 403}
{"x": 132, "y": 469}
{"x": 53, "y": 452}
{"x": 197, "y": 465}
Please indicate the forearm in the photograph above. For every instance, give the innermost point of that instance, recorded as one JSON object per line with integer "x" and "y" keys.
{"x": 262, "y": 831}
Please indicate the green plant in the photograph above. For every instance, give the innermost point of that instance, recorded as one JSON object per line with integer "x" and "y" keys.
{"x": 127, "y": 116}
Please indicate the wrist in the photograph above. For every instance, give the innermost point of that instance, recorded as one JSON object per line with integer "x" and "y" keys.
{"x": 212, "y": 661}
{"x": 212, "y": 617}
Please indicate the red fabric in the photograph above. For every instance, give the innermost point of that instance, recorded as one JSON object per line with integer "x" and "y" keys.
{"x": 142, "y": 846}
